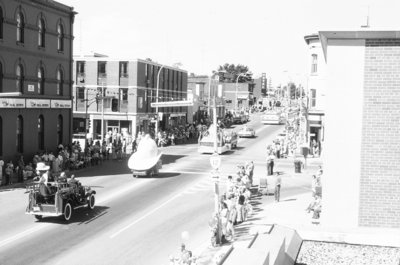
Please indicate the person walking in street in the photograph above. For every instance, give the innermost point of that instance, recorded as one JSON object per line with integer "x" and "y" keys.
{"x": 278, "y": 182}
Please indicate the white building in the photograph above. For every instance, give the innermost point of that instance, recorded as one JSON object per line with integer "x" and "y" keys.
{"x": 316, "y": 89}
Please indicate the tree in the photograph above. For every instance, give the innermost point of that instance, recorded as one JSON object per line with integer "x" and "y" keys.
{"x": 230, "y": 72}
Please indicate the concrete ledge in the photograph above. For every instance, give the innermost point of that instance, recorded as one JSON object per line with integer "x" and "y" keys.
{"x": 274, "y": 244}
{"x": 248, "y": 256}
{"x": 293, "y": 242}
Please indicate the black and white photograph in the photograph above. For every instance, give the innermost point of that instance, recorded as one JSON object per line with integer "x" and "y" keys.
{"x": 182, "y": 132}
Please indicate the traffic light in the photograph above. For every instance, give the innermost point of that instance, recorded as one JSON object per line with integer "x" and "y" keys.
{"x": 88, "y": 124}
{"x": 114, "y": 104}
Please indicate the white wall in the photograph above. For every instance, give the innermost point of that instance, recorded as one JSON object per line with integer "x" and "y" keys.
{"x": 345, "y": 70}
{"x": 317, "y": 80}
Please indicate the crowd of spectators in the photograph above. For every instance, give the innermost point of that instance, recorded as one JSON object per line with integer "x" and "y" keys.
{"x": 234, "y": 206}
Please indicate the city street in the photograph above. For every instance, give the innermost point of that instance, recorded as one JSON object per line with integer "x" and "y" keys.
{"x": 136, "y": 220}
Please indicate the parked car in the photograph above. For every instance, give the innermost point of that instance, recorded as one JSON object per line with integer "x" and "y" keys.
{"x": 246, "y": 132}
{"x": 59, "y": 198}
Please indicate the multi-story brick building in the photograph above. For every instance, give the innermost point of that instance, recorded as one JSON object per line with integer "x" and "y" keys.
{"x": 361, "y": 183}
{"x": 241, "y": 93}
{"x": 127, "y": 87}
{"x": 204, "y": 89}
{"x": 316, "y": 90}
{"x": 36, "y": 40}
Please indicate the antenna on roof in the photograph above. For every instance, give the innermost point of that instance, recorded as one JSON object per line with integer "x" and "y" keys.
{"x": 367, "y": 25}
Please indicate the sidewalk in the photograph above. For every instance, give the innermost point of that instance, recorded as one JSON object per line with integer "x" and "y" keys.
{"x": 266, "y": 212}
{"x": 290, "y": 212}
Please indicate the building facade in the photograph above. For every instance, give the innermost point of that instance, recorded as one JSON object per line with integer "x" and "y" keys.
{"x": 36, "y": 40}
{"x": 204, "y": 89}
{"x": 315, "y": 90}
{"x": 239, "y": 95}
{"x": 126, "y": 89}
{"x": 361, "y": 185}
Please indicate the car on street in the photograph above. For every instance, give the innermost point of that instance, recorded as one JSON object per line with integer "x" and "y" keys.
{"x": 59, "y": 198}
{"x": 246, "y": 132}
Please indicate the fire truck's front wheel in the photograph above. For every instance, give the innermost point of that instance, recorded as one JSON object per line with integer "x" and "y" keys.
{"x": 67, "y": 211}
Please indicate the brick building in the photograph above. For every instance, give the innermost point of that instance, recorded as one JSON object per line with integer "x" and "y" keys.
{"x": 242, "y": 93}
{"x": 361, "y": 184}
{"x": 128, "y": 88}
{"x": 36, "y": 40}
{"x": 203, "y": 93}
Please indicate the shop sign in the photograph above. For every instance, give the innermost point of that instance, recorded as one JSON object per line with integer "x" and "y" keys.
{"x": 12, "y": 103}
{"x": 177, "y": 114}
{"x": 242, "y": 96}
{"x": 61, "y": 104}
{"x": 38, "y": 103}
{"x": 183, "y": 103}
{"x": 144, "y": 117}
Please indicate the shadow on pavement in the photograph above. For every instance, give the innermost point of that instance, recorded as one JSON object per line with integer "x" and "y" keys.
{"x": 81, "y": 216}
{"x": 169, "y": 159}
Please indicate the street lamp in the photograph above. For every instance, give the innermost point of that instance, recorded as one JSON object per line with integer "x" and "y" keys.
{"x": 236, "y": 94}
{"x": 158, "y": 86}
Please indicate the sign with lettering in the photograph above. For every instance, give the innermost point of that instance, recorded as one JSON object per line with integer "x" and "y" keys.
{"x": 38, "y": 103}
{"x": 263, "y": 84}
{"x": 61, "y": 104}
{"x": 31, "y": 88}
{"x": 12, "y": 103}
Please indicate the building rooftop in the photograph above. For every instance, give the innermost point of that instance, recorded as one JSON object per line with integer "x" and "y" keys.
{"x": 94, "y": 56}
{"x": 357, "y": 34}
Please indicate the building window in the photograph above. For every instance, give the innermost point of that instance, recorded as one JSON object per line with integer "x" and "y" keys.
{"x": 81, "y": 93}
{"x": 102, "y": 68}
{"x": 41, "y": 33}
{"x": 20, "y": 134}
{"x": 41, "y": 81}
{"x": 20, "y": 27}
{"x": 60, "y": 130}
{"x": 1, "y": 136}
{"x": 60, "y": 82}
{"x": 124, "y": 94}
{"x": 60, "y": 37}
{"x": 1, "y": 23}
{"x": 80, "y": 67}
{"x": 20, "y": 78}
{"x": 1, "y": 77}
{"x": 313, "y": 100}
{"x": 41, "y": 132}
{"x": 123, "y": 69}
{"x": 314, "y": 63}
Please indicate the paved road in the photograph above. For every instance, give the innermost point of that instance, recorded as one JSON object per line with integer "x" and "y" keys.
{"x": 136, "y": 220}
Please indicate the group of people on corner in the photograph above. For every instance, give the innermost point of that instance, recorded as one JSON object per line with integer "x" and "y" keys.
{"x": 234, "y": 205}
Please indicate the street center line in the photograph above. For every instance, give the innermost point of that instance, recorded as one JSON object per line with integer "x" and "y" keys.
{"x": 22, "y": 234}
{"x": 144, "y": 216}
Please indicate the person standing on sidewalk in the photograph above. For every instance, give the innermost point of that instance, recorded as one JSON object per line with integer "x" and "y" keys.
{"x": 270, "y": 163}
{"x": 278, "y": 182}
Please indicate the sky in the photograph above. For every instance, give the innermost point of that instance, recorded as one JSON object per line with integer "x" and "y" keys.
{"x": 265, "y": 35}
